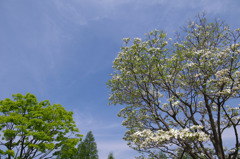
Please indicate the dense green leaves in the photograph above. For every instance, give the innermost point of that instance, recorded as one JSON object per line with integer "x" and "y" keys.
{"x": 35, "y": 129}
{"x": 110, "y": 156}
{"x": 87, "y": 149}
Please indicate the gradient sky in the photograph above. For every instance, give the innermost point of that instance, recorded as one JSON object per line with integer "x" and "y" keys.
{"x": 62, "y": 50}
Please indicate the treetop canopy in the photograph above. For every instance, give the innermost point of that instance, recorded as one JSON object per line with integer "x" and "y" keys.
{"x": 176, "y": 91}
{"x": 33, "y": 129}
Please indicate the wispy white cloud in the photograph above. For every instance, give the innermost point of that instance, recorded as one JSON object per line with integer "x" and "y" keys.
{"x": 87, "y": 121}
{"x": 71, "y": 10}
{"x": 193, "y": 4}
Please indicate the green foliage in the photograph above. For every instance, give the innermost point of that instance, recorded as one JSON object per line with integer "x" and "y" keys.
{"x": 110, "y": 156}
{"x": 87, "y": 149}
{"x": 159, "y": 155}
{"x": 35, "y": 129}
{"x": 10, "y": 153}
{"x": 68, "y": 150}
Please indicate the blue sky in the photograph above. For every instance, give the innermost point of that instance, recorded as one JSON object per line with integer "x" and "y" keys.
{"x": 62, "y": 50}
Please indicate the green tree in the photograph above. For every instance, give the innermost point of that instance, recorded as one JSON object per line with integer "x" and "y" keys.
{"x": 87, "y": 149}
{"x": 177, "y": 91}
{"x": 110, "y": 156}
{"x": 156, "y": 155}
{"x": 32, "y": 129}
{"x": 160, "y": 155}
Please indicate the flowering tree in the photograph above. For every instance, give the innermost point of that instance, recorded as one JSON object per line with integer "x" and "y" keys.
{"x": 177, "y": 94}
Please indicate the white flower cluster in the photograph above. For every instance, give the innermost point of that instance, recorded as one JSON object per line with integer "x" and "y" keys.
{"x": 229, "y": 109}
{"x": 234, "y": 112}
{"x": 147, "y": 137}
{"x": 190, "y": 64}
{"x": 225, "y": 91}
{"x": 221, "y": 73}
{"x": 175, "y": 103}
